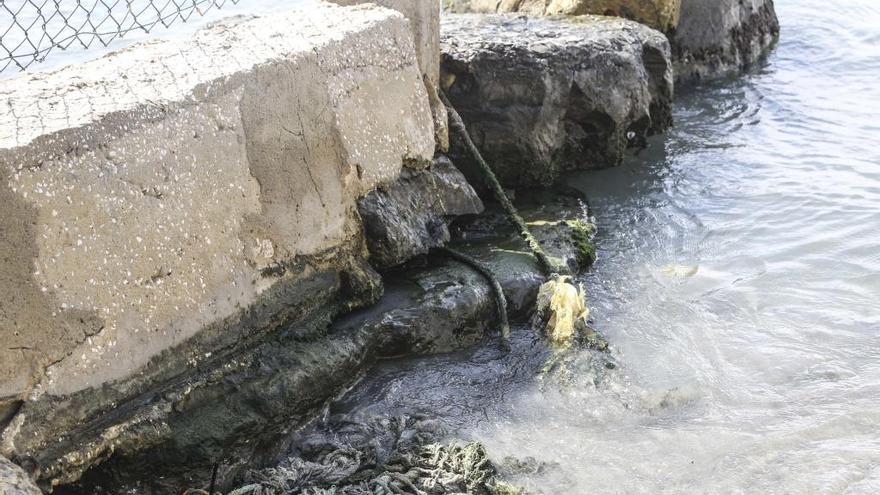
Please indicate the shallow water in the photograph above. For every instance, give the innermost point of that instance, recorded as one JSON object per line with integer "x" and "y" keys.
{"x": 739, "y": 284}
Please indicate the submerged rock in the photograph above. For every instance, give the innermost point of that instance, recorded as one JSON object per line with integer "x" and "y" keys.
{"x": 710, "y": 38}
{"x": 542, "y": 96}
{"x": 14, "y": 481}
{"x": 411, "y": 216}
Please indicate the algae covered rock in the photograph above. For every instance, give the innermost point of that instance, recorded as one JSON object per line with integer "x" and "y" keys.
{"x": 541, "y": 96}
{"x": 410, "y": 216}
{"x": 560, "y": 220}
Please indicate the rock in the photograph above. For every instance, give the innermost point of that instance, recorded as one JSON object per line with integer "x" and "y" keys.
{"x": 232, "y": 413}
{"x": 424, "y": 18}
{"x": 410, "y": 216}
{"x": 14, "y": 481}
{"x": 722, "y": 37}
{"x": 710, "y": 38}
{"x": 658, "y": 14}
{"x": 171, "y": 206}
{"x": 543, "y": 96}
{"x": 559, "y": 219}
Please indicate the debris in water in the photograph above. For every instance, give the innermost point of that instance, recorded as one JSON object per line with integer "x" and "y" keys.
{"x": 565, "y": 307}
{"x": 381, "y": 456}
{"x": 680, "y": 271}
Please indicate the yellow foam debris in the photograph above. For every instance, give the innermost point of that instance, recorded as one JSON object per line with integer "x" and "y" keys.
{"x": 566, "y": 305}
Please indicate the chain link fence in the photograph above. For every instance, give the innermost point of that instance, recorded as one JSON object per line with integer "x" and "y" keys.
{"x": 32, "y": 29}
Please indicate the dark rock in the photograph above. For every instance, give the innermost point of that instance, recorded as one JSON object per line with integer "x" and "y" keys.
{"x": 560, "y": 220}
{"x": 721, "y": 37}
{"x": 710, "y": 38}
{"x": 232, "y": 414}
{"x": 541, "y": 96}
{"x": 411, "y": 216}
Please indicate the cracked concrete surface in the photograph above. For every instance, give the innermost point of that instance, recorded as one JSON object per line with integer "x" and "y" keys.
{"x": 147, "y": 193}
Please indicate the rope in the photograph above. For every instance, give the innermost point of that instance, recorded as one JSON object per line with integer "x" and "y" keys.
{"x": 547, "y": 265}
{"x": 497, "y": 290}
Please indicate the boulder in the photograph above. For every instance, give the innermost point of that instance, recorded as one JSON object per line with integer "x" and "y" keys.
{"x": 410, "y": 216}
{"x": 722, "y": 37}
{"x": 14, "y": 481}
{"x": 174, "y": 204}
{"x": 658, "y": 14}
{"x": 542, "y": 96}
{"x": 710, "y": 38}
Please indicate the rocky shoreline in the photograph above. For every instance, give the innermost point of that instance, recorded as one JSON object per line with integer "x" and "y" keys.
{"x": 320, "y": 292}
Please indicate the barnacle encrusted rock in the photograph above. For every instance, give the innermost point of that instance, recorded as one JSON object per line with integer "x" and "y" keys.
{"x": 542, "y": 96}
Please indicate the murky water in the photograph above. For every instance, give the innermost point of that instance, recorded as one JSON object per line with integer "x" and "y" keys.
{"x": 739, "y": 283}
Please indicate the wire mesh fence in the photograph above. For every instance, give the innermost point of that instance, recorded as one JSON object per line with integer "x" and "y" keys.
{"x": 32, "y": 29}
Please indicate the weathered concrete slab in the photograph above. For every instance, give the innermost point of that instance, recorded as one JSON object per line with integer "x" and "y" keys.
{"x": 271, "y": 388}
{"x": 424, "y": 18}
{"x": 541, "y": 96}
{"x": 166, "y": 204}
{"x": 710, "y": 38}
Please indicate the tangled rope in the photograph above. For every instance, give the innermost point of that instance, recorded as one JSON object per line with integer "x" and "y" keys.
{"x": 381, "y": 456}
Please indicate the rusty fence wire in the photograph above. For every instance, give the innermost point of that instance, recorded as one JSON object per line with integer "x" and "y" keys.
{"x": 32, "y": 29}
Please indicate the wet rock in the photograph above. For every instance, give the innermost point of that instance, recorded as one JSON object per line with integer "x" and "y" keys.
{"x": 230, "y": 413}
{"x": 722, "y": 37}
{"x": 541, "y": 96}
{"x": 559, "y": 219}
{"x": 14, "y": 481}
{"x": 710, "y": 38}
{"x": 410, "y": 216}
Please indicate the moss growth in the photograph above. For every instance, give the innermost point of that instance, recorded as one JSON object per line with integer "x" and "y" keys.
{"x": 582, "y": 236}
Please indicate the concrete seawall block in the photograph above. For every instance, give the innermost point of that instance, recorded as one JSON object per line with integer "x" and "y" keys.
{"x": 157, "y": 191}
